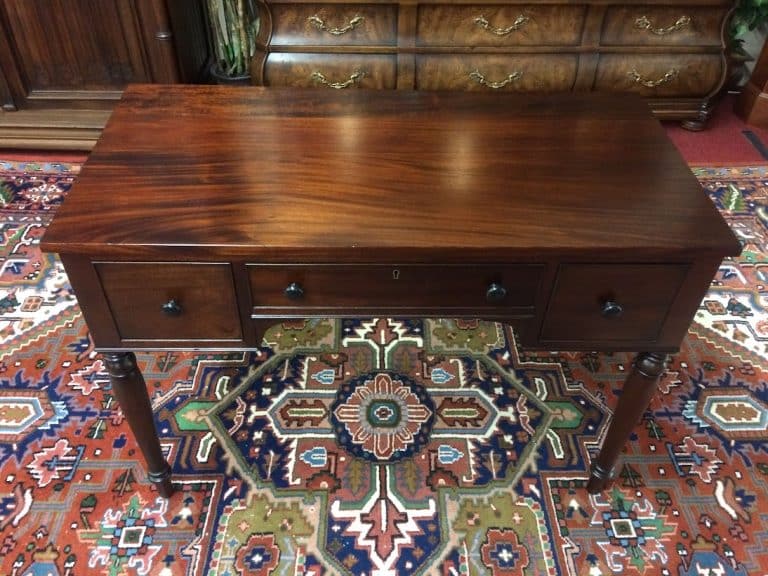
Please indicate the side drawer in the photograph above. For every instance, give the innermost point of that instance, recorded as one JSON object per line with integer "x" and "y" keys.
{"x": 662, "y": 26}
{"x": 684, "y": 75}
{"x": 140, "y": 296}
{"x": 616, "y": 302}
{"x": 334, "y": 25}
{"x": 416, "y": 287}
{"x": 304, "y": 70}
{"x": 512, "y": 73}
{"x": 500, "y": 25}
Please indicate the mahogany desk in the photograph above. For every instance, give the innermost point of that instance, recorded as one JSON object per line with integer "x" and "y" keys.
{"x": 206, "y": 213}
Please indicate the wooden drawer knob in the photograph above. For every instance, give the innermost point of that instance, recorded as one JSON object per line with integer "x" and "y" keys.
{"x": 612, "y": 309}
{"x": 294, "y": 291}
{"x": 172, "y": 308}
{"x": 495, "y": 293}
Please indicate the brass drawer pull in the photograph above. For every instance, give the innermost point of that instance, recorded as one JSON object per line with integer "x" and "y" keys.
{"x": 612, "y": 309}
{"x": 643, "y": 23}
{"x": 519, "y": 22}
{"x": 294, "y": 291}
{"x": 172, "y": 308}
{"x": 480, "y": 79}
{"x": 668, "y": 77}
{"x": 318, "y": 23}
{"x": 354, "y": 79}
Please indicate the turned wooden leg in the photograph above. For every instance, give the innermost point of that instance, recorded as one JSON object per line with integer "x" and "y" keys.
{"x": 131, "y": 392}
{"x": 638, "y": 391}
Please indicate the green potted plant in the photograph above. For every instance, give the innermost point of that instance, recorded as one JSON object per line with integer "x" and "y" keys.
{"x": 748, "y": 16}
{"x": 234, "y": 25}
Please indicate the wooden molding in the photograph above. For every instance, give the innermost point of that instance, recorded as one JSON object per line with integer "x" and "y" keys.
{"x": 53, "y": 129}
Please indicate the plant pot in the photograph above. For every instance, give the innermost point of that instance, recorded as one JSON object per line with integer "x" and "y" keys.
{"x": 220, "y": 77}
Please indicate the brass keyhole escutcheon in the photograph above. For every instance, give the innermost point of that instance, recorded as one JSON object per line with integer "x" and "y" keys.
{"x": 395, "y": 274}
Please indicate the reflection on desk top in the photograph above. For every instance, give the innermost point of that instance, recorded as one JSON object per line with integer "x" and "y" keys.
{"x": 237, "y": 171}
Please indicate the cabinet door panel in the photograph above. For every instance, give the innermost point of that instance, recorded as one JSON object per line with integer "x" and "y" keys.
{"x": 7, "y": 101}
{"x": 76, "y": 45}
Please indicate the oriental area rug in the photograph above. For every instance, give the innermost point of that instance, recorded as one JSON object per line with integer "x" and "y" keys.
{"x": 471, "y": 459}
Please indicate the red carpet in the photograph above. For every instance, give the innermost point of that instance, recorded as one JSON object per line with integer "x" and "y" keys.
{"x": 40, "y": 156}
{"x": 723, "y": 143}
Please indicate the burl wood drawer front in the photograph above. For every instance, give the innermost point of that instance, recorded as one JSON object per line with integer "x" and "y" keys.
{"x": 337, "y": 71}
{"x": 514, "y": 73}
{"x": 406, "y": 286}
{"x": 685, "y": 75}
{"x": 499, "y": 25}
{"x": 167, "y": 301}
{"x": 333, "y": 24}
{"x": 662, "y": 26}
{"x": 601, "y": 302}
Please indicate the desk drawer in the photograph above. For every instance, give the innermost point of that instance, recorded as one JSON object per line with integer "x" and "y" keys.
{"x": 408, "y": 286}
{"x": 512, "y": 73}
{"x": 499, "y": 25}
{"x": 300, "y": 70}
{"x": 140, "y": 297}
{"x": 334, "y": 25}
{"x": 662, "y": 26}
{"x": 616, "y": 302}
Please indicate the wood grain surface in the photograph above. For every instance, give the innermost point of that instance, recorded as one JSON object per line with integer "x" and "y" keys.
{"x": 513, "y": 25}
{"x": 185, "y": 171}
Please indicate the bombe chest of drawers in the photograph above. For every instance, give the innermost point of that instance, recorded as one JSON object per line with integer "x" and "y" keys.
{"x": 673, "y": 55}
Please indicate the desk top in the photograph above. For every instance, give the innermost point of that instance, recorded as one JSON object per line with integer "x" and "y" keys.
{"x": 202, "y": 171}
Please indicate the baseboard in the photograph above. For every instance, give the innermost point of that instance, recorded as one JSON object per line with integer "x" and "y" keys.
{"x": 53, "y": 129}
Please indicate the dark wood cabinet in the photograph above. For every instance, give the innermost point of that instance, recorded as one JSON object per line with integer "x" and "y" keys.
{"x": 64, "y": 63}
{"x": 752, "y": 104}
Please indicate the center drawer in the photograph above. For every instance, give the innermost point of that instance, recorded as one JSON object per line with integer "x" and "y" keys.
{"x": 487, "y": 72}
{"x": 500, "y": 25}
{"x": 382, "y": 286}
